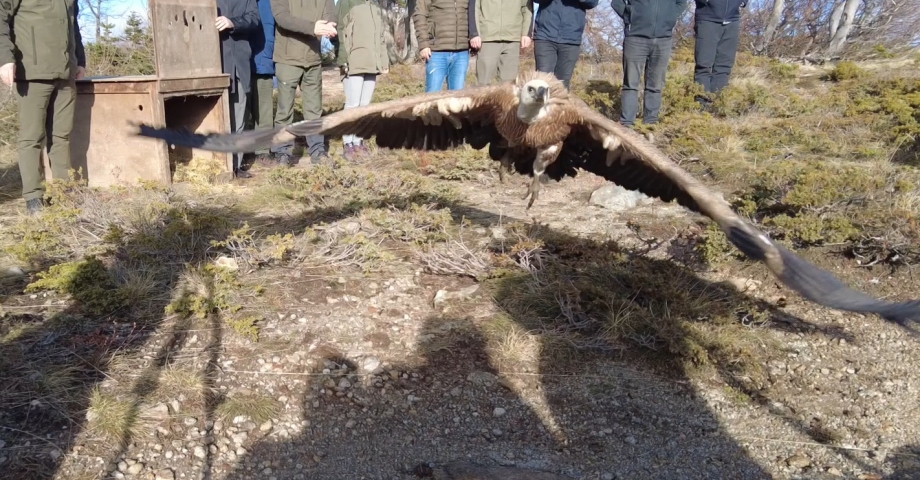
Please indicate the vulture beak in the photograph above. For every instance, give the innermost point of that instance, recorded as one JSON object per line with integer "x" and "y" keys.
{"x": 541, "y": 94}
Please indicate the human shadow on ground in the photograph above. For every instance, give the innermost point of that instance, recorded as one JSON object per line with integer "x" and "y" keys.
{"x": 642, "y": 421}
{"x": 53, "y": 363}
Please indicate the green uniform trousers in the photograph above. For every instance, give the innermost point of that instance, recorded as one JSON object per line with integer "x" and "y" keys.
{"x": 310, "y": 81}
{"x": 263, "y": 106}
{"x": 501, "y": 57}
{"x": 46, "y": 111}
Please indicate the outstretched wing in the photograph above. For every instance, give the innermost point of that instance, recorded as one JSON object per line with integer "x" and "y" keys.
{"x": 429, "y": 121}
{"x": 605, "y": 148}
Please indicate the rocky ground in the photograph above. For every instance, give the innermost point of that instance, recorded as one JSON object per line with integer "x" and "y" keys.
{"x": 369, "y": 377}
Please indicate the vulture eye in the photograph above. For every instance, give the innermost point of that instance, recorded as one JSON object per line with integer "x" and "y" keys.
{"x": 530, "y": 89}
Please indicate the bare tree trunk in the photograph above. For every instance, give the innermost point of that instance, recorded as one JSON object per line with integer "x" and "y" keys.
{"x": 840, "y": 36}
{"x": 770, "y": 31}
{"x": 836, "y": 16}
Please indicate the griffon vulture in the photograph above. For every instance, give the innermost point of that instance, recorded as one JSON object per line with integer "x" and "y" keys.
{"x": 534, "y": 126}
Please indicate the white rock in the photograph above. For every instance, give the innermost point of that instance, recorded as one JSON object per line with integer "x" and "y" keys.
{"x": 617, "y": 198}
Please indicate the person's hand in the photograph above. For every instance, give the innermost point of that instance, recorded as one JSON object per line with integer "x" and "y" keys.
{"x": 324, "y": 29}
{"x": 223, "y": 23}
{"x": 425, "y": 53}
{"x": 385, "y": 71}
{"x": 526, "y": 42}
{"x": 8, "y": 73}
{"x": 476, "y": 42}
{"x": 81, "y": 72}
{"x": 343, "y": 69}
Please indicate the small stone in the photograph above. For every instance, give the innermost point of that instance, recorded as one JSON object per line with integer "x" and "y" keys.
{"x": 631, "y": 440}
{"x": 122, "y": 466}
{"x": 798, "y": 461}
{"x": 834, "y": 471}
{"x": 350, "y": 424}
{"x": 615, "y": 197}
{"x": 265, "y": 426}
{"x": 135, "y": 469}
{"x": 370, "y": 364}
{"x": 200, "y": 452}
{"x": 607, "y": 476}
{"x": 169, "y": 454}
{"x": 164, "y": 474}
{"x": 499, "y": 411}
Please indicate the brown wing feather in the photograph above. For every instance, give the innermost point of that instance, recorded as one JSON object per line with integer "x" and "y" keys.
{"x": 634, "y": 163}
{"x": 428, "y": 121}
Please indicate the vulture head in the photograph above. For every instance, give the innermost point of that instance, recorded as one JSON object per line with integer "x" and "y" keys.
{"x": 535, "y": 93}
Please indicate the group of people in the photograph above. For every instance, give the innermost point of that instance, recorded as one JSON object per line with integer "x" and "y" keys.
{"x": 279, "y": 42}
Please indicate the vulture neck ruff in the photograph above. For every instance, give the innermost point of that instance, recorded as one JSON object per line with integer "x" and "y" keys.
{"x": 531, "y": 113}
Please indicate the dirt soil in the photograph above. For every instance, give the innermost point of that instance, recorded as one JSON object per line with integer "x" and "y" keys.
{"x": 373, "y": 380}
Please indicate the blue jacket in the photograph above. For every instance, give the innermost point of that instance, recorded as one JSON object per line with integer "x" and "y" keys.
{"x": 720, "y": 11}
{"x": 263, "y": 43}
{"x": 561, "y": 21}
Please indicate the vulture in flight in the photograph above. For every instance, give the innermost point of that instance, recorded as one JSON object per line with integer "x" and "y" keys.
{"x": 533, "y": 125}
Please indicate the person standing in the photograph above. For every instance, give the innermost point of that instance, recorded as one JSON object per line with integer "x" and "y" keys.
{"x": 443, "y": 33}
{"x": 361, "y": 54}
{"x": 263, "y": 44}
{"x": 716, "y": 25}
{"x": 500, "y": 30}
{"x": 41, "y": 53}
{"x": 557, "y": 37}
{"x": 299, "y": 27}
{"x": 236, "y": 21}
{"x": 646, "y": 48}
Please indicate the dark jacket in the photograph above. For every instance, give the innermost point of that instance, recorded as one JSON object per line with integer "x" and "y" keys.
{"x": 42, "y": 38}
{"x": 562, "y": 21}
{"x": 721, "y": 11}
{"x": 442, "y": 25}
{"x": 295, "y": 22}
{"x": 236, "y": 53}
{"x": 649, "y": 18}
{"x": 263, "y": 43}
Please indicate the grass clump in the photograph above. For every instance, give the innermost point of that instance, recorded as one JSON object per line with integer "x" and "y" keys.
{"x": 260, "y": 408}
{"x": 212, "y": 290}
{"x": 601, "y": 297}
{"x": 87, "y": 281}
{"x": 350, "y": 190}
{"x": 419, "y": 224}
{"x": 845, "y": 70}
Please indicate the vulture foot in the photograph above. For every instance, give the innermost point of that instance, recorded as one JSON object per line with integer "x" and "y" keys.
{"x": 533, "y": 190}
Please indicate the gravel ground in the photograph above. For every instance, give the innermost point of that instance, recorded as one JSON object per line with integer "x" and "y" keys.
{"x": 372, "y": 381}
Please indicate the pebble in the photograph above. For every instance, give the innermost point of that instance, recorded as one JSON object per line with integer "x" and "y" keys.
{"x": 499, "y": 411}
{"x": 135, "y": 469}
{"x": 265, "y": 426}
{"x": 798, "y": 461}
{"x": 164, "y": 474}
{"x": 200, "y": 452}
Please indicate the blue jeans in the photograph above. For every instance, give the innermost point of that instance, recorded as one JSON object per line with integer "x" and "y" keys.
{"x": 450, "y": 65}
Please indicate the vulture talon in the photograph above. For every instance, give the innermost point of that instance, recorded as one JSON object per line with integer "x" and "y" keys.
{"x": 533, "y": 191}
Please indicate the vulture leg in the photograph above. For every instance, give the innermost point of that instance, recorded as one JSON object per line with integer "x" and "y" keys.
{"x": 505, "y": 165}
{"x": 545, "y": 156}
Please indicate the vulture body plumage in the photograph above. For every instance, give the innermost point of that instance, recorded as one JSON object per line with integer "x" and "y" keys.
{"x": 534, "y": 127}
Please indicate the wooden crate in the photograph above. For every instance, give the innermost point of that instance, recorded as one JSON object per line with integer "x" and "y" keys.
{"x": 189, "y": 90}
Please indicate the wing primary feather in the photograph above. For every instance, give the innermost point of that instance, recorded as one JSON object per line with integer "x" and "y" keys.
{"x": 816, "y": 284}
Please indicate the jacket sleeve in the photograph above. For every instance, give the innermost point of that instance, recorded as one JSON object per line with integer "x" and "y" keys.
{"x": 420, "y": 19}
{"x": 619, "y": 6}
{"x": 681, "y": 7}
{"x": 268, "y": 27}
{"x": 284, "y": 20}
{"x": 471, "y": 18}
{"x": 344, "y": 43}
{"x": 331, "y": 15}
{"x": 527, "y": 12}
{"x": 248, "y": 22}
{"x": 79, "y": 51}
{"x": 7, "y": 47}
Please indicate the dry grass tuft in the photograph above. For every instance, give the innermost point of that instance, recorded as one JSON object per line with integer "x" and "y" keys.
{"x": 259, "y": 408}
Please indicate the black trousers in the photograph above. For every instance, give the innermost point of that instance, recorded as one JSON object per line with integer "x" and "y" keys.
{"x": 556, "y": 58}
{"x": 716, "y": 45}
{"x": 649, "y": 57}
